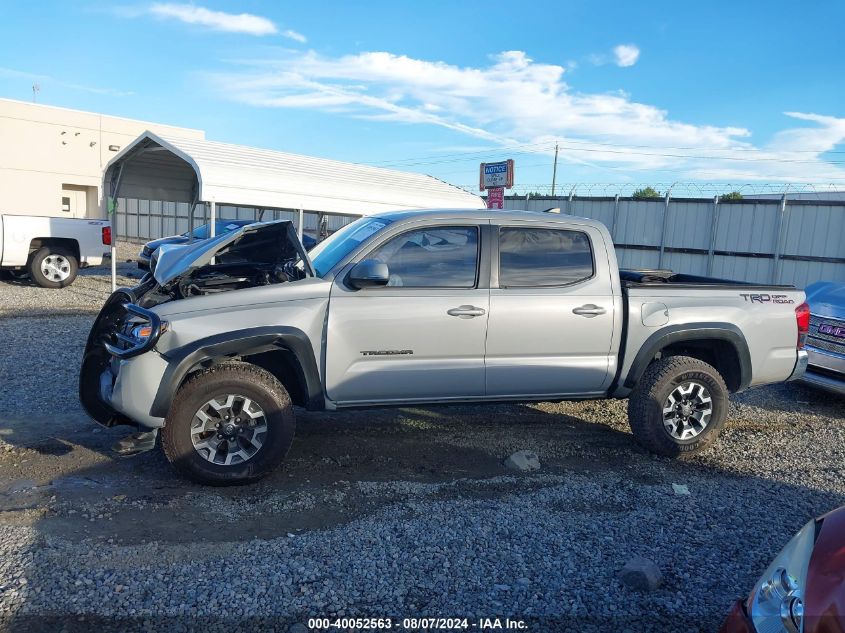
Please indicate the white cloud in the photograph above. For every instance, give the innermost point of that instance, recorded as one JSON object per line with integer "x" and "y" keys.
{"x": 515, "y": 100}
{"x": 215, "y": 20}
{"x": 293, "y": 35}
{"x": 626, "y": 55}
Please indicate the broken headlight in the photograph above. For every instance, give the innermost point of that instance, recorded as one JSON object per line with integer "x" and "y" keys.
{"x": 776, "y": 603}
{"x": 143, "y": 331}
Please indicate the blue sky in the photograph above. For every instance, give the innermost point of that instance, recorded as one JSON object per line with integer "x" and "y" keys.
{"x": 650, "y": 92}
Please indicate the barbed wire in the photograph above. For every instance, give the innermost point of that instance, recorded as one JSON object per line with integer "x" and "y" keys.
{"x": 676, "y": 189}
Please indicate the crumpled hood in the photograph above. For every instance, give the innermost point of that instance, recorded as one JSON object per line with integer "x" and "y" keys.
{"x": 270, "y": 242}
{"x": 827, "y": 299}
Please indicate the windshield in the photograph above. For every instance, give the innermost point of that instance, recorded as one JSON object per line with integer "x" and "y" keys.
{"x": 334, "y": 248}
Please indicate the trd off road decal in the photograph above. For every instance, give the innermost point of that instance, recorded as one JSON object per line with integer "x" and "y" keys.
{"x": 766, "y": 298}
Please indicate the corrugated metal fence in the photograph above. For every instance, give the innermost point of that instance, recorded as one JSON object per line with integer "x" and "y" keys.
{"x": 761, "y": 241}
{"x": 143, "y": 220}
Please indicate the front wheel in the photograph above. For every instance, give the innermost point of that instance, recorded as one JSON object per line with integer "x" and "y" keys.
{"x": 231, "y": 424}
{"x": 679, "y": 406}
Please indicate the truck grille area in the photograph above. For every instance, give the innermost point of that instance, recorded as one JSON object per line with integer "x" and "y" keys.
{"x": 825, "y": 340}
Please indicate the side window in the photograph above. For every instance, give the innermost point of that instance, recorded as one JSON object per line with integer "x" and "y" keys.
{"x": 437, "y": 257}
{"x": 532, "y": 257}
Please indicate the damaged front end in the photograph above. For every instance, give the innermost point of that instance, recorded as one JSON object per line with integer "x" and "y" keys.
{"x": 255, "y": 255}
{"x": 110, "y": 334}
{"x": 127, "y": 326}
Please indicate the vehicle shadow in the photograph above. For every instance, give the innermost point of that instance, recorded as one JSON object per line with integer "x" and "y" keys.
{"x": 16, "y": 279}
{"x": 85, "y": 510}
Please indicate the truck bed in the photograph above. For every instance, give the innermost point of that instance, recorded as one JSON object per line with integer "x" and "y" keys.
{"x": 762, "y": 317}
{"x": 633, "y": 278}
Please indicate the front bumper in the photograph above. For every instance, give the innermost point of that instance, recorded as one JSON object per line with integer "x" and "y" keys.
{"x": 737, "y": 620}
{"x": 824, "y": 381}
{"x": 130, "y": 386}
{"x": 113, "y": 389}
{"x": 826, "y": 370}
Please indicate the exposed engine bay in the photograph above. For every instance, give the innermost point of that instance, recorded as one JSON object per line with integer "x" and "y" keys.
{"x": 256, "y": 255}
{"x": 234, "y": 276}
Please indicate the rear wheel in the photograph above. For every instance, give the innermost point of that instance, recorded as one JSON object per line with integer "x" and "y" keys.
{"x": 679, "y": 406}
{"x": 53, "y": 267}
{"x": 231, "y": 424}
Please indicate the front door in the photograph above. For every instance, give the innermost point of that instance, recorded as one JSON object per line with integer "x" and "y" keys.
{"x": 551, "y": 313}
{"x": 422, "y": 336}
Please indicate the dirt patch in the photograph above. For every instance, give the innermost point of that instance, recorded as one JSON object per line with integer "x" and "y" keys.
{"x": 341, "y": 467}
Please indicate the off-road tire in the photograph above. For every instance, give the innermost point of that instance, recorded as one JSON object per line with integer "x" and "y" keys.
{"x": 36, "y": 259}
{"x": 229, "y": 378}
{"x": 646, "y": 402}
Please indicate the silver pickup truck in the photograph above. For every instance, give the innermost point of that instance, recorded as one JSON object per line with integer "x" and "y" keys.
{"x": 410, "y": 307}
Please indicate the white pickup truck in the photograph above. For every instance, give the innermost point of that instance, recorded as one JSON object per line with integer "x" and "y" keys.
{"x": 51, "y": 250}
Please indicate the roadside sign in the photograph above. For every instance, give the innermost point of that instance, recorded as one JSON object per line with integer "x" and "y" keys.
{"x": 496, "y": 175}
{"x": 496, "y": 198}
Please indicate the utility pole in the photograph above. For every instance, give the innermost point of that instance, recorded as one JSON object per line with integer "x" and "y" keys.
{"x": 554, "y": 171}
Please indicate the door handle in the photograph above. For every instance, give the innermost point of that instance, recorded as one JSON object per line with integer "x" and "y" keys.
{"x": 590, "y": 310}
{"x": 466, "y": 312}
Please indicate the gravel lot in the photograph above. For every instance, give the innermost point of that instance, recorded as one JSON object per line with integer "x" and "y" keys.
{"x": 387, "y": 513}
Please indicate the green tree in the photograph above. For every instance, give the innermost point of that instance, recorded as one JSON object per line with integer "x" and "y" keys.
{"x": 733, "y": 195}
{"x": 647, "y": 192}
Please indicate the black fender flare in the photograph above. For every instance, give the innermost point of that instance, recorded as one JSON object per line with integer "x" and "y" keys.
{"x": 692, "y": 332}
{"x": 182, "y": 360}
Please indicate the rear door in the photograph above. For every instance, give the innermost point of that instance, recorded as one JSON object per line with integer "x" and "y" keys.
{"x": 421, "y": 337}
{"x": 551, "y": 319}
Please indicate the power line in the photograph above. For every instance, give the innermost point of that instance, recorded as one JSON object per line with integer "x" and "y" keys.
{"x": 726, "y": 149}
{"x": 624, "y": 149}
{"x": 485, "y": 152}
{"x": 658, "y": 155}
{"x": 692, "y": 156}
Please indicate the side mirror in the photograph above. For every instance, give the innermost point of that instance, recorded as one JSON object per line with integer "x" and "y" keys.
{"x": 369, "y": 273}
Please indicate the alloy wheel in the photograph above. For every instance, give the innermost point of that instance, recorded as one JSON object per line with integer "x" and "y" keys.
{"x": 229, "y": 429}
{"x": 687, "y": 410}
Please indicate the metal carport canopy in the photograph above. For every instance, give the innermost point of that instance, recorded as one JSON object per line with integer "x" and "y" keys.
{"x": 186, "y": 170}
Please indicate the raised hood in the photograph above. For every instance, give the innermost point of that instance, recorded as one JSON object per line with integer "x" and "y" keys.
{"x": 827, "y": 299}
{"x": 262, "y": 242}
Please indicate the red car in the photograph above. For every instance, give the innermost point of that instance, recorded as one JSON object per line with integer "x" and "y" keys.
{"x": 803, "y": 590}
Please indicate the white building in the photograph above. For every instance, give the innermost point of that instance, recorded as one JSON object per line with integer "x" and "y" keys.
{"x": 52, "y": 159}
{"x": 52, "y": 163}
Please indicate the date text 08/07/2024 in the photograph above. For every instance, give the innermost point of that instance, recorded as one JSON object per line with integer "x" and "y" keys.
{"x": 416, "y": 624}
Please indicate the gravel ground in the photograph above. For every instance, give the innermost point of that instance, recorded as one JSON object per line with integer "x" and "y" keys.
{"x": 86, "y": 294}
{"x": 397, "y": 513}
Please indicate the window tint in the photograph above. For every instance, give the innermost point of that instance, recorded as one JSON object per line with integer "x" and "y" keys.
{"x": 442, "y": 257}
{"x": 543, "y": 257}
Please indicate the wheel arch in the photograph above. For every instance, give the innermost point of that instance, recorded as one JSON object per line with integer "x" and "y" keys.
{"x": 285, "y": 352}
{"x": 67, "y": 243}
{"x": 721, "y": 345}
